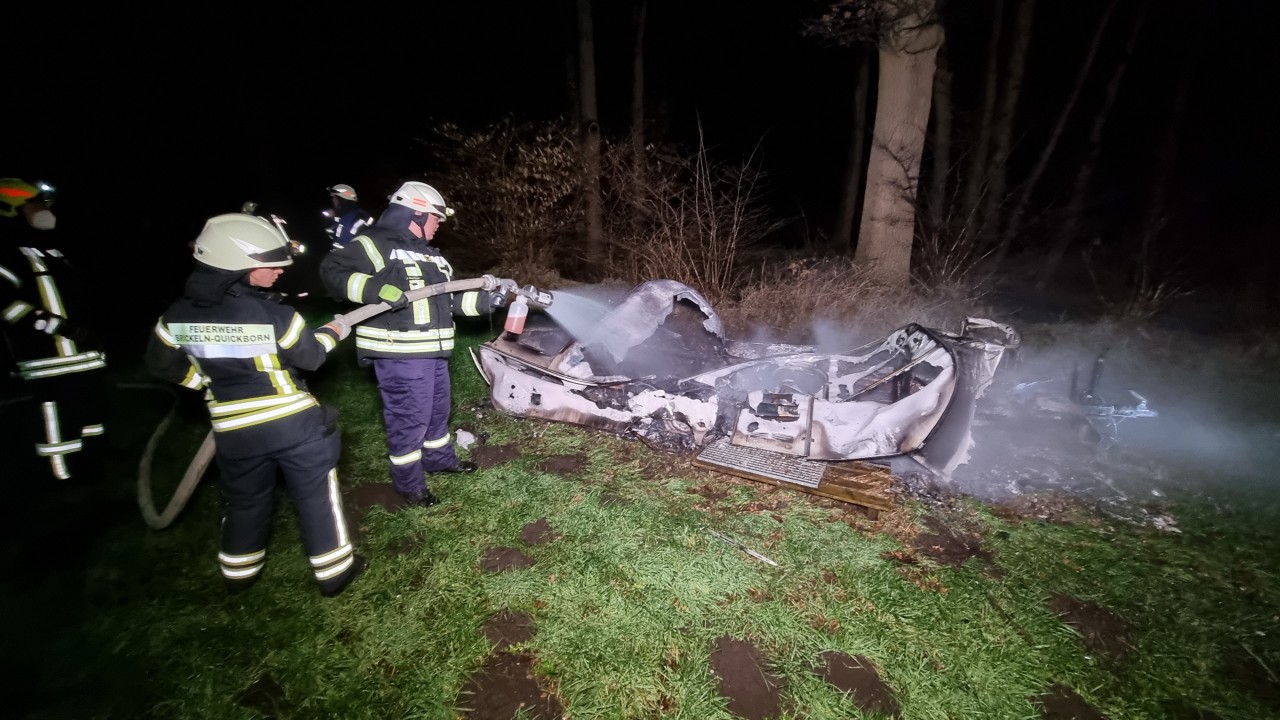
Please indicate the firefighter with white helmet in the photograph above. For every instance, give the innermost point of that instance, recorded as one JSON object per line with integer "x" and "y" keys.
{"x": 346, "y": 218}
{"x": 59, "y": 361}
{"x": 408, "y": 347}
{"x": 232, "y": 339}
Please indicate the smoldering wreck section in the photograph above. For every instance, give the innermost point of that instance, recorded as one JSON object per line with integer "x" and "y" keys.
{"x": 658, "y": 365}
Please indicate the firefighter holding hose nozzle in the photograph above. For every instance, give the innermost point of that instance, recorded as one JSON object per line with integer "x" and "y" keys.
{"x": 408, "y": 346}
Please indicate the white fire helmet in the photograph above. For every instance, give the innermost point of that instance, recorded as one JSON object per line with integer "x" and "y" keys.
{"x": 421, "y": 197}
{"x": 346, "y": 192}
{"x": 237, "y": 241}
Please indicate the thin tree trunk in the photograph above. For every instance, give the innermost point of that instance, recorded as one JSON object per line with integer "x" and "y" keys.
{"x": 590, "y": 140}
{"x": 1084, "y": 174}
{"x": 637, "y": 88}
{"x": 1014, "y": 226}
{"x": 903, "y": 95}
{"x": 1002, "y": 137}
{"x": 942, "y": 114}
{"x": 842, "y": 237}
{"x": 975, "y": 178}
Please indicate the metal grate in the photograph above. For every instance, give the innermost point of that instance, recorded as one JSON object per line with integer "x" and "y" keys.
{"x": 763, "y": 463}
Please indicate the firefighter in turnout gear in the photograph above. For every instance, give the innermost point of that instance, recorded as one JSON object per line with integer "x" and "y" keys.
{"x": 409, "y": 346}
{"x": 57, "y": 360}
{"x": 231, "y": 338}
{"x": 346, "y": 219}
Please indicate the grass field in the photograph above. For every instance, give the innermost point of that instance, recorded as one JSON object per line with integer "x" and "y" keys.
{"x": 579, "y": 574}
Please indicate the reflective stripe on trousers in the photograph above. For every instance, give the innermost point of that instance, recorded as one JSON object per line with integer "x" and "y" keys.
{"x": 416, "y": 397}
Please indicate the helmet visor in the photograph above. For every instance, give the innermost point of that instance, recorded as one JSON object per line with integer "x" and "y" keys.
{"x": 280, "y": 254}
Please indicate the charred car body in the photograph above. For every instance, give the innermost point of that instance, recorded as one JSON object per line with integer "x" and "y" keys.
{"x": 658, "y": 365}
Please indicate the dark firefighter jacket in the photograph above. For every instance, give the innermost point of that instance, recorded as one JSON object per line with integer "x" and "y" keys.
{"x": 43, "y": 315}
{"x": 385, "y": 256}
{"x": 343, "y": 228}
{"x": 245, "y": 350}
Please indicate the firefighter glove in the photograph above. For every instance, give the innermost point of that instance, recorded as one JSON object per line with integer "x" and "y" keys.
{"x": 393, "y": 296}
{"x": 339, "y": 327}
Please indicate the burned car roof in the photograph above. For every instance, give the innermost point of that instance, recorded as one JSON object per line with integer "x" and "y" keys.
{"x": 657, "y": 364}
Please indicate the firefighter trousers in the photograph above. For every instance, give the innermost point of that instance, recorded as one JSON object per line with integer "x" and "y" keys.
{"x": 416, "y": 400}
{"x": 67, "y": 421}
{"x": 310, "y": 475}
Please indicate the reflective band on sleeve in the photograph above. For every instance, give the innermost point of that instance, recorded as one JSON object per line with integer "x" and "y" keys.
{"x": 375, "y": 257}
{"x": 470, "y": 303}
{"x": 163, "y": 333}
{"x": 7, "y": 274}
{"x": 193, "y": 380}
{"x": 355, "y": 286}
{"x": 63, "y": 369}
{"x": 62, "y": 448}
{"x": 34, "y": 257}
{"x": 327, "y": 341}
{"x": 16, "y": 310}
{"x": 291, "y": 336}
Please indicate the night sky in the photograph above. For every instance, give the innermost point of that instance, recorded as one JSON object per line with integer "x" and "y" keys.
{"x": 150, "y": 124}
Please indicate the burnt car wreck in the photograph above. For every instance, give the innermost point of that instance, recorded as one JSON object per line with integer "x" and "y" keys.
{"x": 658, "y": 365}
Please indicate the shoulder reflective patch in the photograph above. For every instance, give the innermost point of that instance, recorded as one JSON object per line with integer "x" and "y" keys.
{"x": 224, "y": 340}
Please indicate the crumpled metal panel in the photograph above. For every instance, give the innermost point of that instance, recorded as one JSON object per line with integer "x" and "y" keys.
{"x": 911, "y": 393}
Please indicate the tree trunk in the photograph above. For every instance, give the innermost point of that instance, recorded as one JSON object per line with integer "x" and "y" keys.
{"x": 1084, "y": 174}
{"x": 1014, "y": 226}
{"x": 842, "y": 237}
{"x": 903, "y": 94}
{"x": 637, "y": 88}
{"x": 975, "y": 178}
{"x": 1002, "y": 137}
{"x": 590, "y": 124}
{"x": 938, "y": 201}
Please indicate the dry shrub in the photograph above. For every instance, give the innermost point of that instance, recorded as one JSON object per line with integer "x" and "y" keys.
{"x": 516, "y": 187}
{"x": 809, "y": 300}
{"x": 680, "y": 215}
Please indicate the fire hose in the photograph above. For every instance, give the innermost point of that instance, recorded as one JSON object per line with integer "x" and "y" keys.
{"x": 509, "y": 290}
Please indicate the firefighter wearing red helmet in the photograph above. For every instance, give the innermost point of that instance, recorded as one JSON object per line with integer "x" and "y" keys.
{"x": 57, "y": 360}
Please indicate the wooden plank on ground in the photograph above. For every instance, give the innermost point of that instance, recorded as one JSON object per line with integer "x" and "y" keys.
{"x": 851, "y": 482}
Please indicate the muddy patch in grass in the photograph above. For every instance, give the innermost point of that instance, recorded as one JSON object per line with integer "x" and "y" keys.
{"x": 362, "y": 498}
{"x": 1050, "y": 507}
{"x": 488, "y": 456}
{"x": 857, "y": 677}
{"x": 1105, "y": 634}
{"x": 563, "y": 464}
{"x": 501, "y": 559}
{"x": 265, "y": 697}
{"x": 711, "y": 493}
{"x": 538, "y": 532}
{"x": 746, "y": 680}
{"x": 1244, "y": 667}
{"x": 950, "y": 543}
{"x": 608, "y": 498}
{"x": 504, "y": 686}
{"x": 508, "y": 628}
{"x": 1060, "y": 702}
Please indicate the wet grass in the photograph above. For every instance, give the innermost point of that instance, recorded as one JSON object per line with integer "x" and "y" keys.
{"x": 628, "y": 600}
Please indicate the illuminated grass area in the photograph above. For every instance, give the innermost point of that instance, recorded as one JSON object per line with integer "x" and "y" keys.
{"x": 629, "y": 598}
